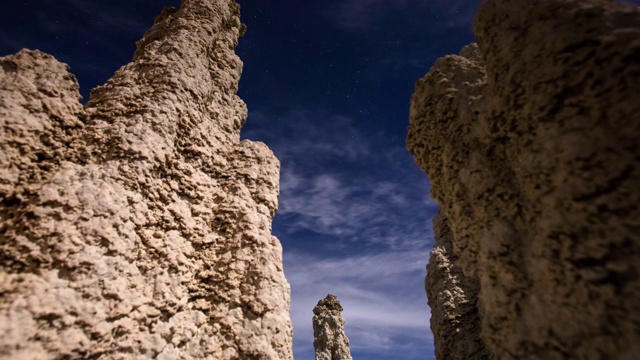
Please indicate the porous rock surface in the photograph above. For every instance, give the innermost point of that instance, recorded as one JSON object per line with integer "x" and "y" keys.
{"x": 530, "y": 140}
{"x": 139, "y": 226}
{"x": 329, "y": 339}
{"x": 456, "y": 323}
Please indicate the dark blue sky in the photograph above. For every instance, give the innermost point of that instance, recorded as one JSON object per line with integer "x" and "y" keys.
{"x": 328, "y": 85}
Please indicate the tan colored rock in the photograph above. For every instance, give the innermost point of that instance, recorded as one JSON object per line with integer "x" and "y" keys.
{"x": 532, "y": 151}
{"x": 139, "y": 226}
{"x": 330, "y": 341}
{"x": 453, "y": 298}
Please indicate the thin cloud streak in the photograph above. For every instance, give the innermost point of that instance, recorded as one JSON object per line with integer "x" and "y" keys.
{"x": 364, "y": 16}
{"x": 359, "y": 15}
{"x": 101, "y": 18}
{"x": 87, "y": 25}
{"x": 299, "y": 137}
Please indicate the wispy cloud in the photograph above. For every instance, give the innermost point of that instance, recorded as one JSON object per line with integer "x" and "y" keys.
{"x": 91, "y": 20}
{"x": 360, "y": 15}
{"x": 458, "y": 14}
{"x": 9, "y": 43}
{"x": 309, "y": 136}
{"x": 368, "y": 15}
{"x": 353, "y": 209}
{"x": 98, "y": 15}
{"x": 92, "y": 26}
{"x": 343, "y": 182}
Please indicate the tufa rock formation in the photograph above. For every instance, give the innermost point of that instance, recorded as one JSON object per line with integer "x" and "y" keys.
{"x": 139, "y": 226}
{"x": 330, "y": 341}
{"x": 453, "y": 297}
{"x": 531, "y": 143}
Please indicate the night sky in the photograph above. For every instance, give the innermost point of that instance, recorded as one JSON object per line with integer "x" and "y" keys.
{"x": 328, "y": 85}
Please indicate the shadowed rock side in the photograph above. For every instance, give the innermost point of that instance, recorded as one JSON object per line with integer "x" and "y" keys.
{"x": 531, "y": 143}
{"x": 330, "y": 341}
{"x": 139, "y": 226}
{"x": 453, "y": 299}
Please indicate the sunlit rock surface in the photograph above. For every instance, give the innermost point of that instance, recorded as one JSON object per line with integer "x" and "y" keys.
{"x": 530, "y": 140}
{"x": 139, "y": 226}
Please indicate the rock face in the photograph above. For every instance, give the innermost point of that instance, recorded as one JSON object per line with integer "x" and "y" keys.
{"x": 453, "y": 297}
{"x": 531, "y": 143}
{"x": 330, "y": 341}
{"x": 139, "y": 226}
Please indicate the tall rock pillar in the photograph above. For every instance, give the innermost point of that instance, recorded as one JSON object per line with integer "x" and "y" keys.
{"x": 139, "y": 226}
{"x": 531, "y": 143}
{"x": 330, "y": 341}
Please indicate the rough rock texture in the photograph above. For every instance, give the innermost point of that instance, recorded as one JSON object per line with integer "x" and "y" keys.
{"x": 531, "y": 143}
{"x": 455, "y": 318}
{"x": 139, "y": 226}
{"x": 330, "y": 341}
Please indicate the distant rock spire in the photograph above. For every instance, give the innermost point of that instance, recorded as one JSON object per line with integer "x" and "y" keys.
{"x": 330, "y": 341}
